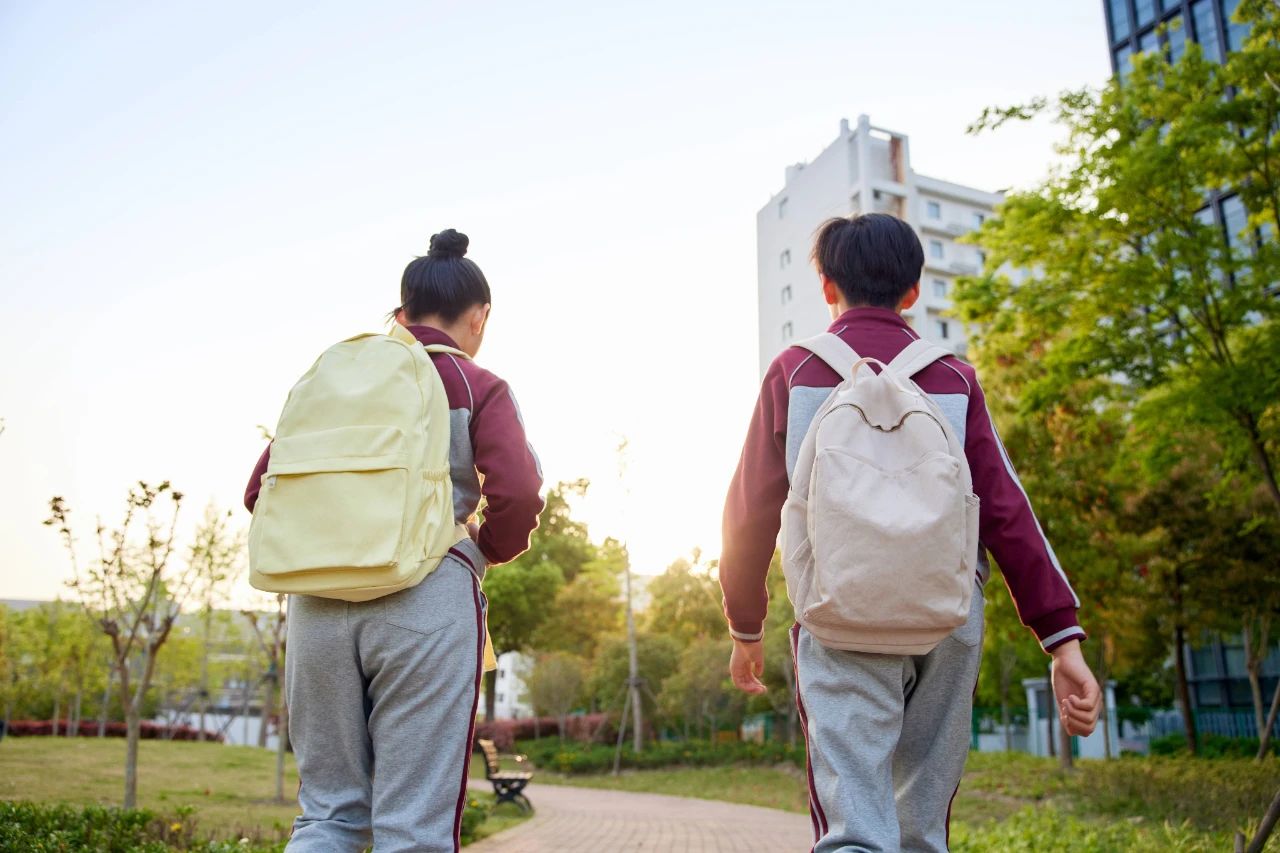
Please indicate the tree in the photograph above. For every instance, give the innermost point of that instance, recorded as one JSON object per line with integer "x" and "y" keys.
{"x": 522, "y": 593}
{"x": 216, "y": 555}
{"x": 684, "y": 601}
{"x": 657, "y": 655}
{"x": 135, "y": 596}
{"x": 1145, "y": 291}
{"x": 700, "y": 691}
{"x": 779, "y": 659}
{"x": 271, "y": 632}
{"x": 555, "y": 685}
{"x": 586, "y": 609}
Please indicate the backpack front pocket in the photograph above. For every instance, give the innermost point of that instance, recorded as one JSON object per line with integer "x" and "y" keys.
{"x": 889, "y": 545}
{"x": 323, "y": 508}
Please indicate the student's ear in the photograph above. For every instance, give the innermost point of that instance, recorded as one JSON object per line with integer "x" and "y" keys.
{"x": 910, "y": 299}
{"x": 830, "y": 292}
{"x": 400, "y": 318}
{"x": 479, "y": 317}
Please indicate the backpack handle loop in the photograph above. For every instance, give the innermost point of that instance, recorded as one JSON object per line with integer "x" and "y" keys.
{"x": 891, "y": 375}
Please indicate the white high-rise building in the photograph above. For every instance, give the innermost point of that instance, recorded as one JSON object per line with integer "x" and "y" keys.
{"x": 866, "y": 169}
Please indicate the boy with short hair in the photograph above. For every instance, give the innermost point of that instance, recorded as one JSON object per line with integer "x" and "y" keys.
{"x": 888, "y": 734}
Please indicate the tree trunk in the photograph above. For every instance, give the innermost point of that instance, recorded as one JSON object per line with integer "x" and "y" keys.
{"x": 1102, "y": 675}
{"x": 1265, "y": 828}
{"x": 133, "y": 730}
{"x": 74, "y": 729}
{"x": 1064, "y": 747}
{"x": 1184, "y": 689}
{"x": 789, "y": 676}
{"x": 1264, "y": 736}
{"x": 1004, "y": 722}
{"x": 490, "y": 695}
{"x": 282, "y": 743}
{"x": 204, "y": 671}
{"x": 1255, "y": 654}
{"x": 57, "y": 712}
{"x": 268, "y": 706}
{"x": 105, "y": 710}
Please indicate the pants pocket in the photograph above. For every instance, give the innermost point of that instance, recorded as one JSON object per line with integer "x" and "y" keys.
{"x": 435, "y": 603}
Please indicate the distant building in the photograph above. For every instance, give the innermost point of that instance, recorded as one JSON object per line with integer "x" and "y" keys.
{"x": 511, "y": 701}
{"x": 865, "y": 169}
{"x": 1216, "y": 669}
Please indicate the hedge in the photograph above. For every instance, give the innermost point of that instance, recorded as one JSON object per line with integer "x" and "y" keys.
{"x": 89, "y": 728}
{"x": 585, "y": 728}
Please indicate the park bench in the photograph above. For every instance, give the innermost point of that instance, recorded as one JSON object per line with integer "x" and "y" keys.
{"x": 508, "y": 785}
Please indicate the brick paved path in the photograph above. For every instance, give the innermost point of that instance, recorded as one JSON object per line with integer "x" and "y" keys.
{"x": 590, "y": 820}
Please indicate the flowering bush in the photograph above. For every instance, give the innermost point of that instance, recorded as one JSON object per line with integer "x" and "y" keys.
{"x": 586, "y": 728}
{"x": 89, "y": 728}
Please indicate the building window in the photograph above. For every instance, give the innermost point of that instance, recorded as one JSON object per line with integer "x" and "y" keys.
{"x": 1146, "y": 11}
{"x": 502, "y": 673}
{"x": 501, "y": 697}
{"x": 1234, "y": 222}
{"x": 935, "y": 249}
{"x": 786, "y": 331}
{"x": 782, "y": 209}
{"x": 786, "y": 294}
{"x": 982, "y": 259}
{"x": 1177, "y": 40}
{"x": 1148, "y": 42}
{"x": 944, "y": 330}
{"x": 940, "y": 288}
{"x": 1206, "y": 29}
{"x": 978, "y": 219}
{"x": 1236, "y": 32}
{"x": 934, "y": 210}
{"x": 1124, "y": 63}
{"x": 1118, "y": 11}
{"x": 784, "y": 260}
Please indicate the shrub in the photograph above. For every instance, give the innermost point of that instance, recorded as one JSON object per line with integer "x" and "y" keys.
{"x": 38, "y": 828}
{"x": 473, "y": 814}
{"x": 586, "y": 728}
{"x": 1046, "y": 830}
{"x": 89, "y": 728}
{"x": 1211, "y": 746}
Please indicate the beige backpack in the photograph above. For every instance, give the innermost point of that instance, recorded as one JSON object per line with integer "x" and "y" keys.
{"x": 880, "y": 527}
{"x": 357, "y": 501}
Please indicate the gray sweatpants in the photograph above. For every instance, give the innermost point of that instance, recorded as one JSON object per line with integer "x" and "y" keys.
{"x": 887, "y": 737}
{"x": 382, "y": 702}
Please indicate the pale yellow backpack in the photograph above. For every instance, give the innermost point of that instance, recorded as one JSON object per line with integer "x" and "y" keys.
{"x": 356, "y": 501}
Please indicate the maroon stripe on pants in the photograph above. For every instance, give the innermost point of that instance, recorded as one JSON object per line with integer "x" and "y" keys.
{"x": 475, "y": 704}
{"x": 816, "y": 814}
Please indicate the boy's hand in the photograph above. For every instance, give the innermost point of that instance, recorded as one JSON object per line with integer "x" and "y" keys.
{"x": 746, "y": 665}
{"x": 1076, "y": 689}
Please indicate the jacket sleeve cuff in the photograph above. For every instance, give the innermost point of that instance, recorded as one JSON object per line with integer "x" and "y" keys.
{"x": 747, "y": 632}
{"x": 1054, "y": 629}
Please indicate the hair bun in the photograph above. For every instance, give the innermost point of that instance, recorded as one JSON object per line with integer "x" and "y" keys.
{"x": 448, "y": 244}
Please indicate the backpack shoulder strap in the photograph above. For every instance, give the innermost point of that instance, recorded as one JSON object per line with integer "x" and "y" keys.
{"x": 917, "y": 355}
{"x": 832, "y": 349}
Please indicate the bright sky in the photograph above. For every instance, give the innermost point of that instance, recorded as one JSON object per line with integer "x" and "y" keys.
{"x": 199, "y": 200}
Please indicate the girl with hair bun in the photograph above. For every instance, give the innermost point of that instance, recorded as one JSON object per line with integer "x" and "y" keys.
{"x": 383, "y": 694}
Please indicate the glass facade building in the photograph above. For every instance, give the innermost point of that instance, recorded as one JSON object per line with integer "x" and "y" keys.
{"x": 1215, "y": 665}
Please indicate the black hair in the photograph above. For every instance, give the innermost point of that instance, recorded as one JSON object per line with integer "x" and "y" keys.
{"x": 875, "y": 258}
{"x": 444, "y": 282}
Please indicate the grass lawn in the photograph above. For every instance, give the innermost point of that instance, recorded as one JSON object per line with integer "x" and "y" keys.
{"x": 231, "y": 788}
{"x": 1018, "y": 802}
